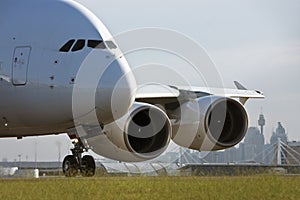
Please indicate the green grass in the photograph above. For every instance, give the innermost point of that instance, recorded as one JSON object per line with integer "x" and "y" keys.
{"x": 244, "y": 187}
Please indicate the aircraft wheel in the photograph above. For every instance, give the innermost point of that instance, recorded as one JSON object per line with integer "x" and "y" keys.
{"x": 70, "y": 166}
{"x": 88, "y": 166}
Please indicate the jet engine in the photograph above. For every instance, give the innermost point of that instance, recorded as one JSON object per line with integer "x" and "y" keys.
{"x": 210, "y": 123}
{"x": 142, "y": 134}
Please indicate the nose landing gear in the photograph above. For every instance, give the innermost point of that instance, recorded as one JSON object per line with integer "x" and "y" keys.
{"x": 72, "y": 163}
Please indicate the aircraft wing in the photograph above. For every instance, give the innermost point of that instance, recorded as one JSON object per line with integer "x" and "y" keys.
{"x": 162, "y": 94}
{"x": 157, "y": 91}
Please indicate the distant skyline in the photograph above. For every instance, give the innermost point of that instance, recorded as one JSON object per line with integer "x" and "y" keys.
{"x": 255, "y": 42}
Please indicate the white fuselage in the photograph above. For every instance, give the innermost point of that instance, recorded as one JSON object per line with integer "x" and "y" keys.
{"x": 37, "y": 79}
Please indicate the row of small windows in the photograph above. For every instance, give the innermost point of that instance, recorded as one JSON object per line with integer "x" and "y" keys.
{"x": 80, "y": 44}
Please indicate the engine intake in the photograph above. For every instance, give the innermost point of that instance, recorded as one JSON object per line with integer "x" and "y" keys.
{"x": 147, "y": 131}
{"x": 210, "y": 123}
{"x": 226, "y": 122}
{"x": 142, "y": 134}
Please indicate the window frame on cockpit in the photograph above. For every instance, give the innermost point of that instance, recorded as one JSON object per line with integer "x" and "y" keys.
{"x": 74, "y": 45}
{"x": 67, "y": 46}
{"x": 96, "y": 44}
{"x": 79, "y": 45}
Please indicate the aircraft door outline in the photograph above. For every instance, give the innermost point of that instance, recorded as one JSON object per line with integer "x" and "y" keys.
{"x": 20, "y": 65}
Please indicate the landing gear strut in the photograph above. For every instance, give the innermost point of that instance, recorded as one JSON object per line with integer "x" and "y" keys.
{"x": 72, "y": 163}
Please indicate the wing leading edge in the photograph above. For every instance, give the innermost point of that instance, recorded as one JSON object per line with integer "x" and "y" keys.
{"x": 160, "y": 94}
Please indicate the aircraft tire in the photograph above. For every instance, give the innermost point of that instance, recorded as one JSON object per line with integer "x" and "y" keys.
{"x": 70, "y": 166}
{"x": 88, "y": 166}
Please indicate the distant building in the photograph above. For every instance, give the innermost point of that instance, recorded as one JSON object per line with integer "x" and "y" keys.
{"x": 269, "y": 154}
{"x": 271, "y": 149}
{"x": 261, "y": 122}
{"x": 230, "y": 155}
{"x": 254, "y": 145}
{"x": 279, "y": 133}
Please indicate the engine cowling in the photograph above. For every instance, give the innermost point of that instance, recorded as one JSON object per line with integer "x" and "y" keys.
{"x": 210, "y": 123}
{"x": 142, "y": 134}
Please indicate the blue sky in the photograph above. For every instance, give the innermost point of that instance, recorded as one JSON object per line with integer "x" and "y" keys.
{"x": 256, "y": 42}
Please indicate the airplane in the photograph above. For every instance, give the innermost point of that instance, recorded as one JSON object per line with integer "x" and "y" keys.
{"x": 43, "y": 44}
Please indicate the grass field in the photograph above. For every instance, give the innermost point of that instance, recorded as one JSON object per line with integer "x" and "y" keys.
{"x": 243, "y": 187}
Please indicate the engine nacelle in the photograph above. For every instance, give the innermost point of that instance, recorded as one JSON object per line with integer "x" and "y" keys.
{"x": 210, "y": 123}
{"x": 142, "y": 134}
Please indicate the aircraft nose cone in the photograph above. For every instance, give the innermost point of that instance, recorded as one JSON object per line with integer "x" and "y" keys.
{"x": 116, "y": 91}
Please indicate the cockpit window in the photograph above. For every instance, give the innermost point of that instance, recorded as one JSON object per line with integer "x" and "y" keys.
{"x": 66, "y": 47}
{"x": 96, "y": 44}
{"x": 111, "y": 44}
{"x": 78, "y": 45}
